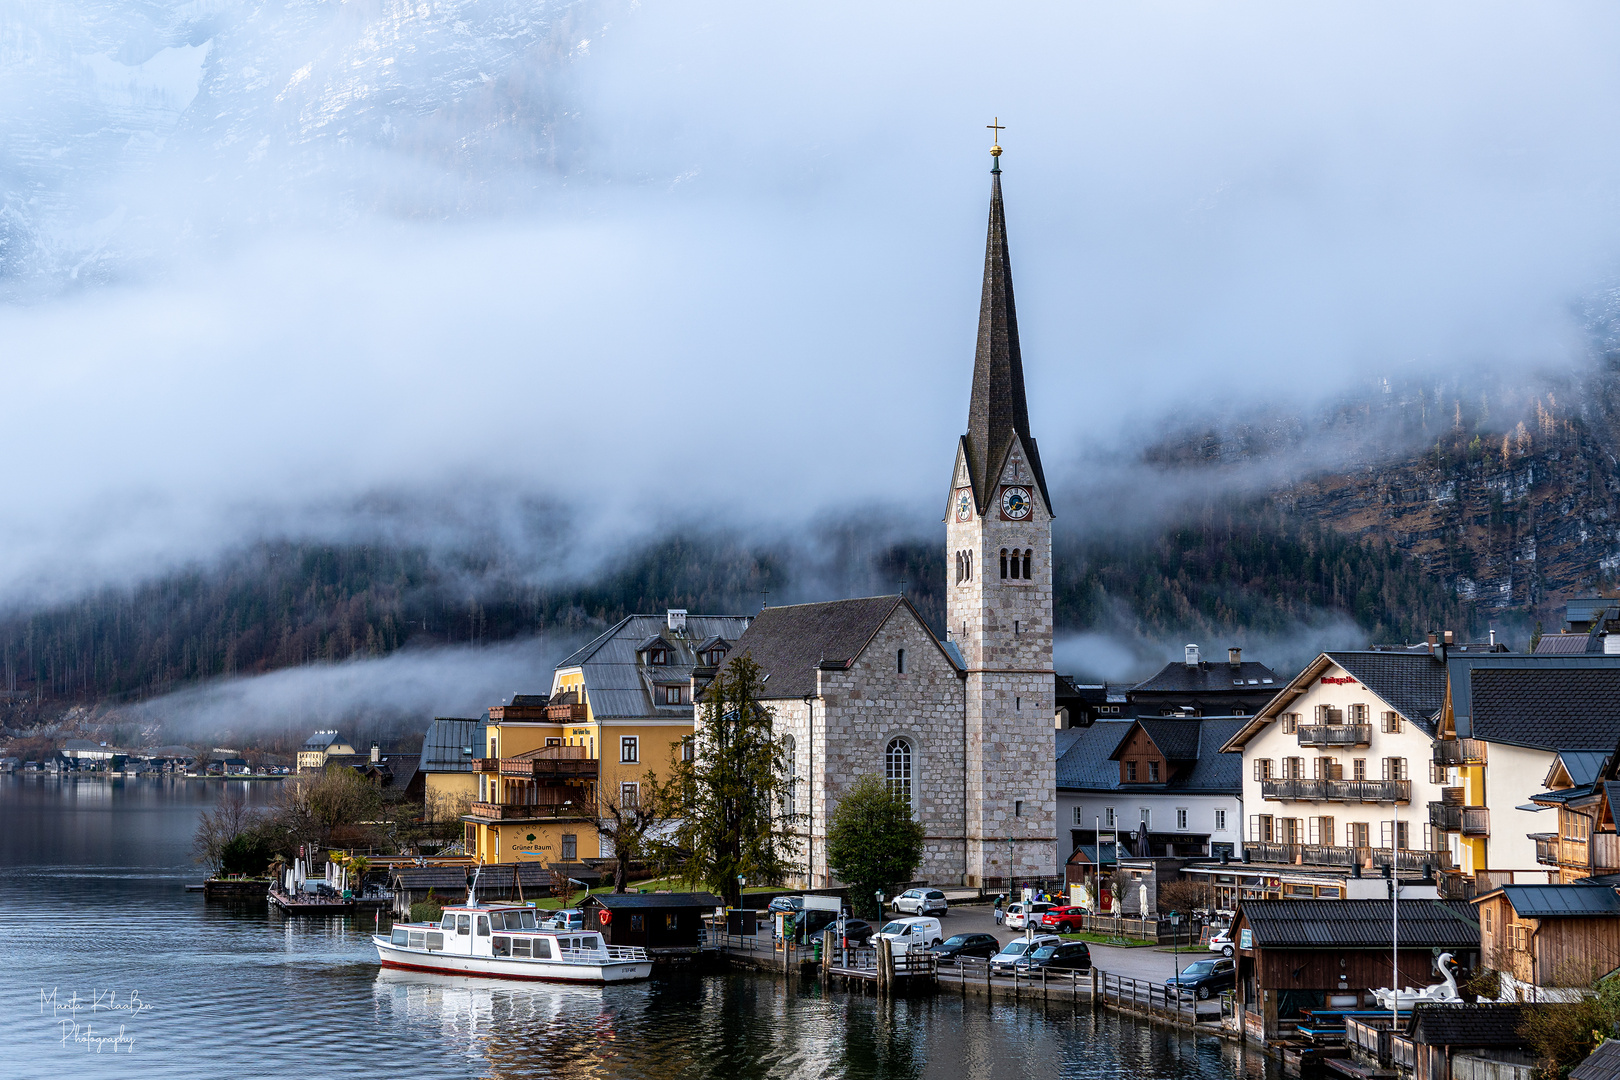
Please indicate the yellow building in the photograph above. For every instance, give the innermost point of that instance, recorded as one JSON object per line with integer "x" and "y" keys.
{"x": 320, "y": 746}
{"x": 618, "y": 709}
{"x": 449, "y": 784}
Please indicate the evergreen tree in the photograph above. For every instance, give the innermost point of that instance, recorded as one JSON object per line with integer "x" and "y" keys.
{"x": 873, "y": 842}
{"x": 734, "y": 794}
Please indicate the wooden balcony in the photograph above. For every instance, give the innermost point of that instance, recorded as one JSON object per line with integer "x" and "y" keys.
{"x": 539, "y": 802}
{"x": 1459, "y": 752}
{"x": 1327, "y": 735}
{"x": 1344, "y": 856}
{"x": 1345, "y": 791}
{"x": 1468, "y": 820}
{"x": 552, "y": 762}
{"x": 565, "y": 714}
{"x": 486, "y": 764}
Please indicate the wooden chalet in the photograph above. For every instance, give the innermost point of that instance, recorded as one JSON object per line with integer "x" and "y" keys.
{"x": 1306, "y": 954}
{"x": 1548, "y": 937}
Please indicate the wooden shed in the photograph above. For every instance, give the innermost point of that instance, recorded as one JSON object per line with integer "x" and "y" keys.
{"x": 1313, "y": 954}
{"x": 1548, "y": 936}
{"x": 668, "y": 923}
{"x": 1438, "y": 1035}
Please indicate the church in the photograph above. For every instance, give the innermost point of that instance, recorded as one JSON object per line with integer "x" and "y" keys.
{"x": 962, "y": 728}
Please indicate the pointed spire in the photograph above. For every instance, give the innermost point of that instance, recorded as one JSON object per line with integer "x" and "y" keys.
{"x": 998, "y": 413}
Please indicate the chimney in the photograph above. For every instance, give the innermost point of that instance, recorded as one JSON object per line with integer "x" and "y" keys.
{"x": 1449, "y": 639}
{"x": 1493, "y": 639}
{"x": 376, "y": 753}
{"x": 1434, "y": 639}
{"x": 677, "y": 620}
{"x": 1192, "y": 655}
{"x": 1234, "y": 657}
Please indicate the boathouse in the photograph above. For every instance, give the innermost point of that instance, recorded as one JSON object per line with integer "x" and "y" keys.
{"x": 661, "y": 923}
{"x": 1310, "y": 954}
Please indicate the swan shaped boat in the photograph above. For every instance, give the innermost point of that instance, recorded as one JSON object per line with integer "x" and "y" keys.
{"x": 1440, "y": 993}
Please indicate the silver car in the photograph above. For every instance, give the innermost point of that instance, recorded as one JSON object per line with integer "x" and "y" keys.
{"x": 922, "y": 902}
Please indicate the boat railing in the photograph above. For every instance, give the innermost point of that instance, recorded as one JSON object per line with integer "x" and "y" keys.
{"x": 607, "y": 954}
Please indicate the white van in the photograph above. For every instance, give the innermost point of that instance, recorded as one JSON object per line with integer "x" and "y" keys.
{"x": 920, "y": 931}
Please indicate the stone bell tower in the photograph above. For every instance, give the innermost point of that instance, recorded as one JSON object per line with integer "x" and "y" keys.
{"x": 999, "y": 595}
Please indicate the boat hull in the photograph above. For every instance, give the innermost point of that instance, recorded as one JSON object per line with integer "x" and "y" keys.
{"x": 490, "y": 967}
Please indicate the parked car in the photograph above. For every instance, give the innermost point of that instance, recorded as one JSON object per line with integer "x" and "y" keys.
{"x": 858, "y": 931}
{"x": 1005, "y": 960}
{"x": 960, "y": 945}
{"x": 1019, "y": 912}
{"x": 567, "y": 919}
{"x": 1203, "y": 978}
{"x": 1069, "y": 956}
{"x": 1065, "y": 920}
{"x": 922, "y": 902}
{"x": 791, "y": 904}
{"x": 1221, "y": 941}
{"x": 918, "y": 931}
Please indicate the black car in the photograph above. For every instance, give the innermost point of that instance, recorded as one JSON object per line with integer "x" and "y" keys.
{"x": 1204, "y": 978}
{"x": 789, "y": 904}
{"x": 858, "y": 931}
{"x": 1069, "y": 956}
{"x": 981, "y": 945}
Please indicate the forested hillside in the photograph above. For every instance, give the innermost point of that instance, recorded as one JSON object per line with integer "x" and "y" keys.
{"x": 282, "y": 605}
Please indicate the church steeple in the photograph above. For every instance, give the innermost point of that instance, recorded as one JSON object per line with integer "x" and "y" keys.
{"x": 998, "y": 414}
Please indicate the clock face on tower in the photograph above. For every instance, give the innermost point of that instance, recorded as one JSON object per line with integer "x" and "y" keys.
{"x": 964, "y": 504}
{"x": 1015, "y": 503}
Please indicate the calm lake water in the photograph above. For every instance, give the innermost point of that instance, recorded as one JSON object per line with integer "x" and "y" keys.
{"x": 92, "y": 904}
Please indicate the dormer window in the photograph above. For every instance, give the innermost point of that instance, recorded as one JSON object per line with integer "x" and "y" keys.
{"x": 657, "y": 656}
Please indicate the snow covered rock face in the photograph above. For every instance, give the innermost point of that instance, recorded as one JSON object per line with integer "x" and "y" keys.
{"x": 131, "y": 126}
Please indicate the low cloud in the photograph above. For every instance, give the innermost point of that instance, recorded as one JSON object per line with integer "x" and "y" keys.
{"x": 1120, "y": 654}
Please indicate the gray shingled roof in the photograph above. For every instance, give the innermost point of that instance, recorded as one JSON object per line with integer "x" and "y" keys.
{"x": 1177, "y": 740}
{"x": 998, "y": 412}
{"x": 1359, "y": 924}
{"x": 1602, "y": 1064}
{"x": 1562, "y": 901}
{"x": 1209, "y": 677}
{"x": 1086, "y": 763}
{"x": 1414, "y": 685}
{"x": 1561, "y": 645}
{"x": 1549, "y": 707}
{"x": 1479, "y": 1025}
{"x": 618, "y": 686}
{"x": 789, "y": 643}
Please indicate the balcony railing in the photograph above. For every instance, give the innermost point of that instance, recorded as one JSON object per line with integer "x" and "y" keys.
{"x": 1459, "y": 752}
{"x": 1468, "y": 820}
{"x": 565, "y": 713}
{"x": 486, "y": 764}
{"x": 1546, "y": 848}
{"x": 1335, "y": 734}
{"x": 1344, "y": 856}
{"x": 1349, "y": 791}
{"x": 513, "y": 811}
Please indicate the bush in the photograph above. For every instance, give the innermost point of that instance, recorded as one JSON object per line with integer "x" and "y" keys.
{"x": 427, "y": 909}
{"x": 247, "y": 853}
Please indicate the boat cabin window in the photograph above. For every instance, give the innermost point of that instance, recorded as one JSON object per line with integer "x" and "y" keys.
{"x": 401, "y": 936}
{"x": 435, "y": 940}
{"x": 483, "y": 926}
{"x": 501, "y": 946}
{"x": 515, "y": 920}
{"x": 520, "y": 947}
{"x": 528, "y": 918}
{"x": 542, "y": 949}
{"x": 463, "y": 924}
{"x": 422, "y": 939}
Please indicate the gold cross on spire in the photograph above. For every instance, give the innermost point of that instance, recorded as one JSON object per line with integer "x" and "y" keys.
{"x": 995, "y": 140}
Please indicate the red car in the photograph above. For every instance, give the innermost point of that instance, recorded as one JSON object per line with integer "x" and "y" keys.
{"x": 1065, "y": 920}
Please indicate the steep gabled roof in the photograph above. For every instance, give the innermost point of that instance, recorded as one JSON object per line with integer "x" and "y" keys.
{"x": 1177, "y": 740}
{"x": 1559, "y": 901}
{"x": 1086, "y": 761}
{"x": 998, "y": 414}
{"x": 1411, "y": 683}
{"x": 789, "y": 643}
{"x": 618, "y": 684}
{"x": 1209, "y": 677}
{"x": 1479, "y": 1024}
{"x": 451, "y": 744}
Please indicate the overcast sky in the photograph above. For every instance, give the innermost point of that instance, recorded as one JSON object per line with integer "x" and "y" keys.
{"x": 722, "y": 259}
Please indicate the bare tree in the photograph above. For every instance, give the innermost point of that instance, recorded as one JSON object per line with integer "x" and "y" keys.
{"x": 219, "y": 826}
{"x": 628, "y": 820}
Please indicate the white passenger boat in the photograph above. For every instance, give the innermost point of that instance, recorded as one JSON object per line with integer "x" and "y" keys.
{"x": 506, "y": 942}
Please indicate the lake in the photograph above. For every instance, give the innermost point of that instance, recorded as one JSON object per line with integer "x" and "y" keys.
{"x": 113, "y": 970}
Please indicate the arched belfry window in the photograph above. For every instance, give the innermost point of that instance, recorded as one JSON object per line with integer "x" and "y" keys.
{"x": 897, "y": 768}
{"x": 1003, "y": 562}
{"x": 1029, "y": 555}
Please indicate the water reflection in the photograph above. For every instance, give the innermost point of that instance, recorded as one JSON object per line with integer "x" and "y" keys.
{"x": 93, "y": 899}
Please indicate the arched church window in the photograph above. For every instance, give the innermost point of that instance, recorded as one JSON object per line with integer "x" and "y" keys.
{"x": 1029, "y": 553}
{"x": 1003, "y": 562}
{"x": 897, "y": 768}
{"x": 900, "y": 661}
{"x": 967, "y": 563}
{"x": 790, "y": 802}
{"x": 959, "y": 573}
